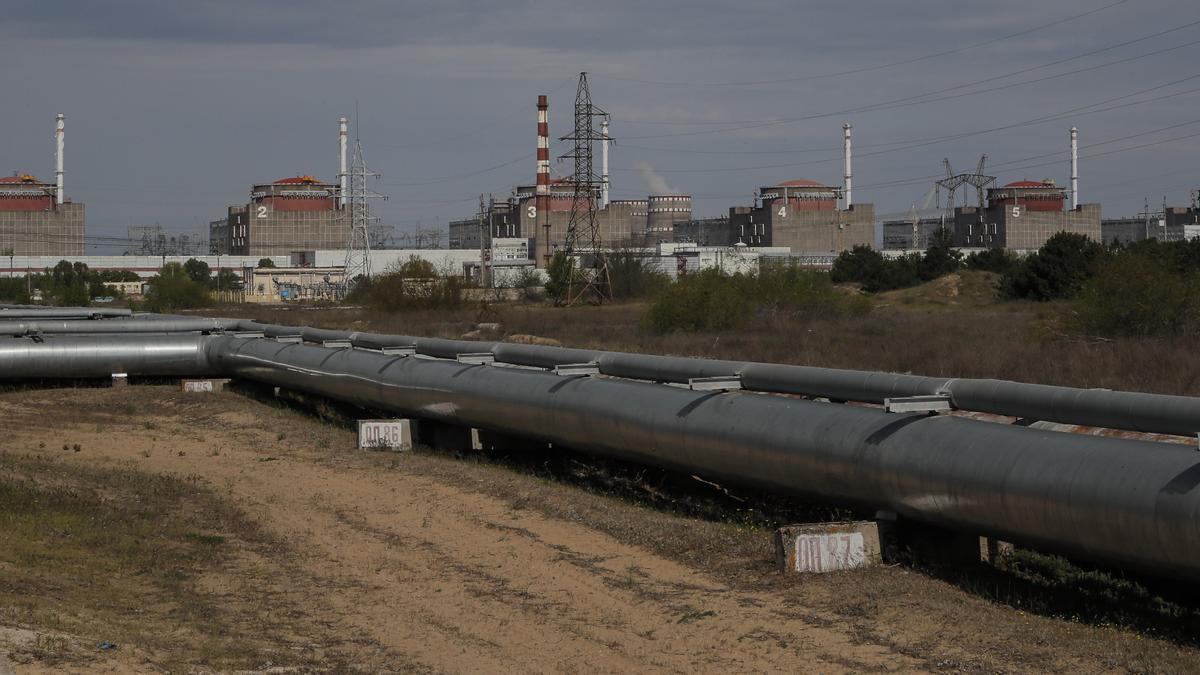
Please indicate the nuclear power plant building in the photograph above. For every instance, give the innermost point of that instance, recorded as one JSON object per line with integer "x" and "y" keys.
{"x": 35, "y": 216}
{"x": 1021, "y": 216}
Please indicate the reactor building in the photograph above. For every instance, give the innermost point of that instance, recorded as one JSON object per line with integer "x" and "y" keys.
{"x": 35, "y": 216}
{"x": 1021, "y": 216}
{"x": 802, "y": 215}
{"x": 292, "y": 214}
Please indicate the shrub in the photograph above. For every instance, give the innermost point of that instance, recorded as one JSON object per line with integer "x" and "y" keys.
{"x": 559, "y": 273}
{"x": 174, "y": 289}
{"x": 996, "y": 260}
{"x": 1058, "y": 269}
{"x": 414, "y": 284}
{"x": 631, "y": 275}
{"x": 876, "y": 273}
{"x": 940, "y": 257}
{"x": 712, "y": 300}
{"x": 860, "y": 264}
{"x": 1134, "y": 295}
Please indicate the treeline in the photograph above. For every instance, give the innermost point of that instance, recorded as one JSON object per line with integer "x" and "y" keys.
{"x": 1144, "y": 289}
{"x": 1147, "y": 288}
{"x": 65, "y": 284}
{"x": 876, "y": 272}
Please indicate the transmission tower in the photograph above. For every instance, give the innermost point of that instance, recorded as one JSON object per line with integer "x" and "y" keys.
{"x": 358, "y": 246}
{"x": 590, "y": 282}
{"x": 953, "y": 181}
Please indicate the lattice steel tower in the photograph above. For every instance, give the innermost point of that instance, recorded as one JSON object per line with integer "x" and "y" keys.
{"x": 358, "y": 210}
{"x": 590, "y": 281}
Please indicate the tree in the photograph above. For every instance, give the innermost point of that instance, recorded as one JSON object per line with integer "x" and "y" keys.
{"x": 174, "y": 289}
{"x": 940, "y": 258}
{"x": 860, "y": 264}
{"x": 228, "y": 280}
{"x": 631, "y": 274}
{"x": 68, "y": 284}
{"x": 417, "y": 268}
{"x": 1058, "y": 269}
{"x": 559, "y": 271}
{"x": 992, "y": 260}
{"x": 265, "y": 262}
{"x": 198, "y": 271}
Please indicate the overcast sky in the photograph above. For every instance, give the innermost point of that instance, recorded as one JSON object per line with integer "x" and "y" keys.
{"x": 175, "y": 108}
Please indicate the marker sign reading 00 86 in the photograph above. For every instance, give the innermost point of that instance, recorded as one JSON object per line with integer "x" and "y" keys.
{"x": 385, "y": 434}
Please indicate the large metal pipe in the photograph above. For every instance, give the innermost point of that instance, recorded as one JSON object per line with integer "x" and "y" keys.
{"x": 1130, "y": 503}
{"x": 1134, "y": 411}
{"x": 102, "y": 356}
{"x": 63, "y": 313}
{"x": 127, "y": 326}
{"x": 59, "y": 134}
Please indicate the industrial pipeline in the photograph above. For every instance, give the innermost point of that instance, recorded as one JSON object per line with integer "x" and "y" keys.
{"x": 1130, "y": 503}
{"x": 1133, "y": 411}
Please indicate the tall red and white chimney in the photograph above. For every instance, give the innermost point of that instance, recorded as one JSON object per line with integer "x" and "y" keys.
{"x": 541, "y": 200}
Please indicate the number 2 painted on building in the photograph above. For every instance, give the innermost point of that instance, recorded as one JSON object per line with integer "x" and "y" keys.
{"x": 262, "y": 212}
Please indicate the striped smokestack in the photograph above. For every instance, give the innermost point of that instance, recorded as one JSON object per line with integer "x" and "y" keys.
{"x": 541, "y": 200}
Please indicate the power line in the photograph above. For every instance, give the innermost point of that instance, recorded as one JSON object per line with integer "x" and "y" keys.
{"x": 928, "y": 140}
{"x": 910, "y": 100}
{"x": 836, "y": 159}
{"x": 882, "y": 66}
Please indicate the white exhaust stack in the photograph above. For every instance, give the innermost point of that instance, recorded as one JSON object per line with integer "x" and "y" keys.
{"x": 604, "y": 163}
{"x": 342, "y": 122}
{"x": 1074, "y": 168}
{"x": 848, "y": 174}
{"x": 59, "y": 130}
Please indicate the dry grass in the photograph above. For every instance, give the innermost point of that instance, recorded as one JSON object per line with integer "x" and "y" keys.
{"x": 94, "y": 554}
{"x": 976, "y": 620}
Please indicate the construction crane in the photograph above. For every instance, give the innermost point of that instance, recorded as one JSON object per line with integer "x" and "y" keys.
{"x": 915, "y": 216}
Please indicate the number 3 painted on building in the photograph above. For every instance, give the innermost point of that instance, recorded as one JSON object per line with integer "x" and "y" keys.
{"x": 532, "y": 211}
{"x": 262, "y": 212}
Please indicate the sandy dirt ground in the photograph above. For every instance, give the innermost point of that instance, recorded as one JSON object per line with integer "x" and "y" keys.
{"x": 398, "y": 571}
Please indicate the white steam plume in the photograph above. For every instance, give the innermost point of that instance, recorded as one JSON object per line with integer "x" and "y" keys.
{"x": 656, "y": 184}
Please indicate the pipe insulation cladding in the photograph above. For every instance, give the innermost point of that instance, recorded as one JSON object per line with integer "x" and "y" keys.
{"x": 1134, "y": 411}
{"x": 105, "y": 355}
{"x": 1124, "y": 502}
